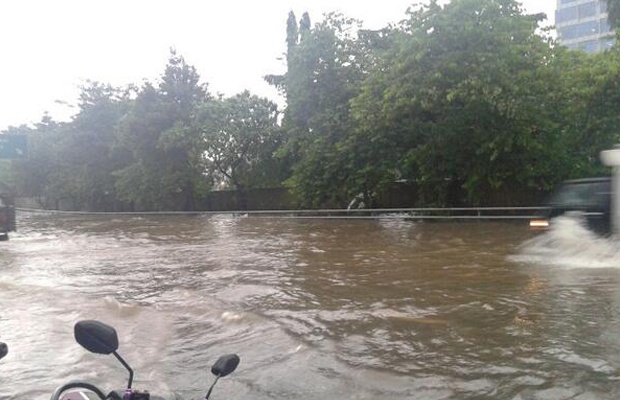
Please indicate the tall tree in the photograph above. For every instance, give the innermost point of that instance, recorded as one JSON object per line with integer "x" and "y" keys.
{"x": 591, "y": 122}
{"x": 88, "y": 147}
{"x": 304, "y": 26}
{"x": 463, "y": 105}
{"x": 325, "y": 71}
{"x": 613, "y": 12}
{"x": 292, "y": 31}
{"x": 166, "y": 172}
{"x": 41, "y": 175}
{"x": 240, "y": 135}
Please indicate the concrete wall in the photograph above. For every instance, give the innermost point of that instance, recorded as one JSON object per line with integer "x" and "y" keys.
{"x": 400, "y": 195}
{"x": 255, "y": 199}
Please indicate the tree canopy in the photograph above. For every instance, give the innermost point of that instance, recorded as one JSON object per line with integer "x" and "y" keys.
{"x": 239, "y": 136}
{"x": 471, "y": 103}
{"x": 468, "y": 101}
{"x": 141, "y": 148}
{"x": 613, "y": 12}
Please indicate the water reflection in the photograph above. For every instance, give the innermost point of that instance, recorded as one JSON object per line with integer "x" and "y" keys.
{"x": 316, "y": 308}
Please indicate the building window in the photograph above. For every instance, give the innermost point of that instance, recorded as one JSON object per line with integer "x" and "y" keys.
{"x": 567, "y": 1}
{"x": 587, "y": 10}
{"x": 566, "y": 14}
{"x": 579, "y": 30}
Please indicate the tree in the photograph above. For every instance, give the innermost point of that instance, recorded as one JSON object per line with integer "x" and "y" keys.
{"x": 166, "y": 172}
{"x": 591, "y": 122}
{"x": 12, "y": 170}
{"x": 6, "y": 176}
{"x": 613, "y": 13}
{"x": 461, "y": 104}
{"x": 88, "y": 148}
{"x": 304, "y": 26}
{"x": 292, "y": 31}
{"x": 73, "y": 162}
{"x": 239, "y": 136}
{"x": 39, "y": 175}
{"x": 325, "y": 70}
{"x": 293, "y": 34}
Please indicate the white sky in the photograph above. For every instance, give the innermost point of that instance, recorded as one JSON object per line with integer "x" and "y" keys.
{"x": 50, "y": 47}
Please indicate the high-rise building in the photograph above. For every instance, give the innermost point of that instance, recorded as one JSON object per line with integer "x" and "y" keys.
{"x": 582, "y": 25}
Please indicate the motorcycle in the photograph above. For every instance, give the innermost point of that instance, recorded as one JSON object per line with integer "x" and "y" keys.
{"x": 99, "y": 338}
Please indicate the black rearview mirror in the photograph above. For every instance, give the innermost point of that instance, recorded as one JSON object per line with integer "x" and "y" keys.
{"x": 96, "y": 337}
{"x": 225, "y": 365}
{"x": 4, "y": 349}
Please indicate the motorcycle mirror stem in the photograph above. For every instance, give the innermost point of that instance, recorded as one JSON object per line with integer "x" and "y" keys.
{"x": 130, "y": 382}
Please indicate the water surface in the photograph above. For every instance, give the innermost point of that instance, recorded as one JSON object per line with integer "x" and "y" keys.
{"x": 317, "y": 309}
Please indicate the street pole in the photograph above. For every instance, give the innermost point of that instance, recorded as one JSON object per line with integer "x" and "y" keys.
{"x": 611, "y": 158}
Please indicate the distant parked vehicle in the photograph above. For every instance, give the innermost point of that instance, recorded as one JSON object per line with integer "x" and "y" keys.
{"x": 591, "y": 197}
{"x": 7, "y": 217}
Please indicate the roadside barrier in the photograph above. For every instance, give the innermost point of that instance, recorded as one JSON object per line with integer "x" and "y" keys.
{"x": 464, "y": 213}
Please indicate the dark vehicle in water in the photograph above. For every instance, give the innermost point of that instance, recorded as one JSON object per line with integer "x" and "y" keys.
{"x": 590, "y": 197}
{"x": 7, "y": 217}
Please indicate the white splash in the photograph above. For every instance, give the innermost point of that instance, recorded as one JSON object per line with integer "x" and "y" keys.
{"x": 570, "y": 244}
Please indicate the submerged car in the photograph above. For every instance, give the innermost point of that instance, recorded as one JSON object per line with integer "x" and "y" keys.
{"x": 590, "y": 197}
{"x": 7, "y": 217}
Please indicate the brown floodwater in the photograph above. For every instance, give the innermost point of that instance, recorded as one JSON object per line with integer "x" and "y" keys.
{"x": 316, "y": 309}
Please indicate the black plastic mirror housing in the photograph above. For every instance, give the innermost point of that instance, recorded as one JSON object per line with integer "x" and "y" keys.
{"x": 4, "y": 349}
{"x": 96, "y": 337}
{"x": 225, "y": 365}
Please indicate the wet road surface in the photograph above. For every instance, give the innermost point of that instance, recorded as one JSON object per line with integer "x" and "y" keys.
{"x": 317, "y": 309}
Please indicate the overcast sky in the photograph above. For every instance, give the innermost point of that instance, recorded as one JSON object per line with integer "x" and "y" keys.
{"x": 50, "y": 47}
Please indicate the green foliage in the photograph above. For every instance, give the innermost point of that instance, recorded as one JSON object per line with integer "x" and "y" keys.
{"x": 152, "y": 148}
{"x": 8, "y": 181}
{"x": 592, "y": 121}
{"x": 239, "y": 136}
{"x": 166, "y": 169}
{"x": 40, "y": 175}
{"x": 469, "y": 101}
{"x": 613, "y": 11}
{"x": 463, "y": 103}
{"x": 326, "y": 69}
{"x": 292, "y": 31}
{"x": 88, "y": 147}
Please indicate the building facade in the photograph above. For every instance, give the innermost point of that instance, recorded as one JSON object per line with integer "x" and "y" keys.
{"x": 582, "y": 25}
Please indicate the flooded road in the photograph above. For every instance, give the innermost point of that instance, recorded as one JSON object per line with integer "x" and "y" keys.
{"x": 317, "y": 309}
